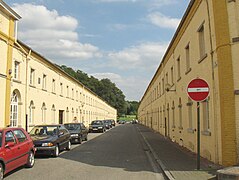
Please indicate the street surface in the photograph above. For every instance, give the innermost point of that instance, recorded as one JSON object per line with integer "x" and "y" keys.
{"x": 120, "y": 153}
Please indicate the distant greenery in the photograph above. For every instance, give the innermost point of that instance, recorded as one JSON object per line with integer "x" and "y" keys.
{"x": 128, "y": 117}
{"x": 105, "y": 89}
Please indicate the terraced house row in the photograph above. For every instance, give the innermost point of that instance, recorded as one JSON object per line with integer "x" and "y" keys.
{"x": 33, "y": 90}
{"x": 205, "y": 45}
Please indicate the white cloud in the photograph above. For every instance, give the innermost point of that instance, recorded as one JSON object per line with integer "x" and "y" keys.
{"x": 163, "y": 21}
{"x": 145, "y": 56}
{"x": 52, "y": 34}
{"x": 133, "y": 87}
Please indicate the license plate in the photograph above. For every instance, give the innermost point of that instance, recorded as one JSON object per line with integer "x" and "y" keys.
{"x": 95, "y": 129}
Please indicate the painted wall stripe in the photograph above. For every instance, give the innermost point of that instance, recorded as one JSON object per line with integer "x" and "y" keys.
{"x": 198, "y": 89}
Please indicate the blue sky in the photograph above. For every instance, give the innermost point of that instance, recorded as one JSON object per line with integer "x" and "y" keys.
{"x": 123, "y": 40}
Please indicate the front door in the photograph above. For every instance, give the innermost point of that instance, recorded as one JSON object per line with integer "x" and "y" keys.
{"x": 61, "y": 112}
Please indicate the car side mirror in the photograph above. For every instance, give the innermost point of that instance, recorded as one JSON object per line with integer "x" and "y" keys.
{"x": 9, "y": 144}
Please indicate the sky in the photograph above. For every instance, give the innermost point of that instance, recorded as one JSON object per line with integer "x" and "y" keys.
{"x": 123, "y": 40}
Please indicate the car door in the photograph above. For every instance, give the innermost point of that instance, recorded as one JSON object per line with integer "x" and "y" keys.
{"x": 11, "y": 151}
{"x": 84, "y": 130}
{"x": 23, "y": 144}
{"x": 62, "y": 138}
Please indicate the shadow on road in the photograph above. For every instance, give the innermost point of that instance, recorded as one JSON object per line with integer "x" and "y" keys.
{"x": 121, "y": 147}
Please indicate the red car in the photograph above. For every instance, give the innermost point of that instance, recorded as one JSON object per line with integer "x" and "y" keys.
{"x": 16, "y": 149}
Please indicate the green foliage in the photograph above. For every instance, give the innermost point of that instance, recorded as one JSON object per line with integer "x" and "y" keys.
{"x": 103, "y": 88}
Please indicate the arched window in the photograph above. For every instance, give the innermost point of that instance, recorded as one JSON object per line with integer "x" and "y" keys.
{"x": 53, "y": 113}
{"x": 14, "y": 110}
{"x": 73, "y": 113}
{"x": 67, "y": 114}
{"x": 31, "y": 113}
{"x": 43, "y": 108}
{"x": 77, "y": 113}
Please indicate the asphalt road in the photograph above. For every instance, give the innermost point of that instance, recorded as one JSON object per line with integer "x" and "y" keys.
{"x": 120, "y": 153}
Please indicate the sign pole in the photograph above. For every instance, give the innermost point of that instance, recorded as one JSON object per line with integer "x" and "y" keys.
{"x": 198, "y": 135}
{"x": 198, "y": 90}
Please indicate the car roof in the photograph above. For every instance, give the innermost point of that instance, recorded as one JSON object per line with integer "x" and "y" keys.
{"x": 50, "y": 125}
{"x": 73, "y": 123}
{"x": 10, "y": 128}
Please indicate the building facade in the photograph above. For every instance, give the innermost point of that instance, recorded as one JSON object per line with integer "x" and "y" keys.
{"x": 205, "y": 45}
{"x": 36, "y": 91}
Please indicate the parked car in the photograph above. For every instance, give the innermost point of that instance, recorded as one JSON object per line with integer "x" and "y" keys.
{"x": 78, "y": 132}
{"x": 122, "y": 122}
{"x": 97, "y": 126}
{"x": 51, "y": 139}
{"x": 113, "y": 122}
{"x": 108, "y": 124}
{"x": 16, "y": 149}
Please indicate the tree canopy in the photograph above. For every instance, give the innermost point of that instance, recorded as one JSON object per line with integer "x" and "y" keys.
{"x": 105, "y": 89}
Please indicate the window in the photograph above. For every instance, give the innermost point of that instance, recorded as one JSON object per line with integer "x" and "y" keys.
{"x": 61, "y": 86}
{"x": 44, "y": 82}
{"x": 67, "y": 114}
{"x": 43, "y": 108}
{"x": 53, "y": 85}
{"x": 173, "y": 115}
{"x": 72, "y": 93}
{"x": 172, "y": 76}
{"x": 180, "y": 115}
{"x": 31, "y": 113}
{"x": 205, "y": 110}
{"x": 14, "y": 110}
{"x": 53, "y": 113}
{"x": 77, "y": 96}
{"x": 32, "y": 77}
{"x": 67, "y": 91}
{"x": 201, "y": 37}
{"x": 190, "y": 113}
{"x": 9, "y": 137}
{"x": 179, "y": 68}
{"x": 20, "y": 135}
{"x": 187, "y": 49}
{"x": 16, "y": 70}
{"x": 163, "y": 86}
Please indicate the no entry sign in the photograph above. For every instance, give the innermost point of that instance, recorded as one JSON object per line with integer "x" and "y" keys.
{"x": 198, "y": 90}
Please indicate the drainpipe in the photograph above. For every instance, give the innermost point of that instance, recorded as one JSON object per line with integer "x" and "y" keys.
{"x": 213, "y": 88}
{"x": 27, "y": 54}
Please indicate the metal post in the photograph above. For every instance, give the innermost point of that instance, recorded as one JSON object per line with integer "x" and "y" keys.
{"x": 198, "y": 135}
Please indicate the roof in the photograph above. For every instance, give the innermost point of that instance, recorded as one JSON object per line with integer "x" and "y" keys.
{"x": 9, "y": 10}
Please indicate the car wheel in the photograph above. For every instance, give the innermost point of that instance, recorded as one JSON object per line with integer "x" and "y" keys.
{"x": 30, "y": 160}
{"x": 68, "y": 148}
{"x": 1, "y": 171}
{"x": 56, "y": 151}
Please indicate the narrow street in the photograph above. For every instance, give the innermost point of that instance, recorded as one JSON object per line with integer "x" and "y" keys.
{"x": 120, "y": 153}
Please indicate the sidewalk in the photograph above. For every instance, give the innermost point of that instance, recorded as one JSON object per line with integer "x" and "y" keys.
{"x": 177, "y": 162}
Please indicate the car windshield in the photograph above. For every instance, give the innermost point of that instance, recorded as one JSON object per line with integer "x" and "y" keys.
{"x": 0, "y": 139}
{"x": 96, "y": 123}
{"x": 72, "y": 126}
{"x": 44, "y": 131}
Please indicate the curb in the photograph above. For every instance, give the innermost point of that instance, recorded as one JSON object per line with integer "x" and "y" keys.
{"x": 166, "y": 172}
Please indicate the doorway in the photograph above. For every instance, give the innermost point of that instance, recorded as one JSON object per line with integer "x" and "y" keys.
{"x": 61, "y": 115}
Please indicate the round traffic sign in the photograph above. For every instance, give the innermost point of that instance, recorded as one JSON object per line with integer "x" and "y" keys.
{"x": 198, "y": 90}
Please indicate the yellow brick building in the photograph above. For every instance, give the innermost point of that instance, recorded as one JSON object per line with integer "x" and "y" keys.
{"x": 34, "y": 90}
{"x": 205, "y": 45}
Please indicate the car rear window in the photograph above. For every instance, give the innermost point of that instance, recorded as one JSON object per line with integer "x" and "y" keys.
{"x": 44, "y": 131}
{"x": 97, "y": 123}
{"x": 72, "y": 126}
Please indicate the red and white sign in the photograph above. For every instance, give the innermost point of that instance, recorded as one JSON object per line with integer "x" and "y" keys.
{"x": 198, "y": 90}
